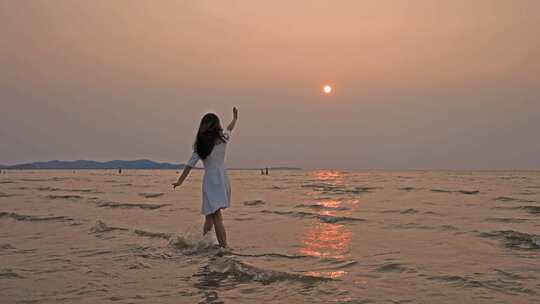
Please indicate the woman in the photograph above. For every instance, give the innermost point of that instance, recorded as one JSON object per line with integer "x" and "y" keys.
{"x": 210, "y": 147}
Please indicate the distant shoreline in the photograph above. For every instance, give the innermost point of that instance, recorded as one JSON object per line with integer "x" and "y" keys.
{"x": 140, "y": 164}
{"x": 125, "y": 169}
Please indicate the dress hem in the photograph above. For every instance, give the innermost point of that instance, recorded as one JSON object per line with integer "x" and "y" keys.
{"x": 215, "y": 210}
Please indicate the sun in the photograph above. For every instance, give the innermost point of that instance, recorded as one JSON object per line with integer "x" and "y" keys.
{"x": 327, "y": 89}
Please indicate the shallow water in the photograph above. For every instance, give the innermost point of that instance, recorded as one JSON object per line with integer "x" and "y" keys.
{"x": 296, "y": 236}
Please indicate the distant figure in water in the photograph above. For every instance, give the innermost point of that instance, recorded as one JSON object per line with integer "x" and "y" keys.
{"x": 266, "y": 170}
{"x": 119, "y": 170}
{"x": 210, "y": 147}
{"x": 262, "y": 172}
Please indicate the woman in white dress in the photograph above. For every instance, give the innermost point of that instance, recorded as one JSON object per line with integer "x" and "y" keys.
{"x": 210, "y": 147}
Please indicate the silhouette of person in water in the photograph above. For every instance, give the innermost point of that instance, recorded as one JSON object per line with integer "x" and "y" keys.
{"x": 262, "y": 172}
{"x": 210, "y": 147}
{"x": 119, "y": 170}
{"x": 266, "y": 170}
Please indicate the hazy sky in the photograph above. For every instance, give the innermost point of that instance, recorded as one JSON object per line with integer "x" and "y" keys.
{"x": 418, "y": 84}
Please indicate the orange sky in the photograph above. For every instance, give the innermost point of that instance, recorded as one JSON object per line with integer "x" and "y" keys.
{"x": 419, "y": 84}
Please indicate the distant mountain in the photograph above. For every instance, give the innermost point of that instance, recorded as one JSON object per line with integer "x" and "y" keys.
{"x": 113, "y": 164}
{"x": 284, "y": 168}
{"x": 90, "y": 164}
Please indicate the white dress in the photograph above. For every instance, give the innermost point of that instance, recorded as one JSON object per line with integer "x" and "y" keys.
{"x": 216, "y": 190}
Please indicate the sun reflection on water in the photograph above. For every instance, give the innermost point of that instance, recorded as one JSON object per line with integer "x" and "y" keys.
{"x": 328, "y": 175}
{"x": 327, "y": 240}
{"x": 330, "y": 203}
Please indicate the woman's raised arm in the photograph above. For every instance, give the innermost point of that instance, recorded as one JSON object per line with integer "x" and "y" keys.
{"x": 230, "y": 127}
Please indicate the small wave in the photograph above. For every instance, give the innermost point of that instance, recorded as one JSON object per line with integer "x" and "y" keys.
{"x": 515, "y": 239}
{"x": 327, "y": 188}
{"x": 33, "y": 218}
{"x": 441, "y": 190}
{"x": 321, "y": 207}
{"x": 392, "y": 267}
{"x": 323, "y": 218}
{"x": 101, "y": 227}
{"x": 409, "y": 188}
{"x": 512, "y": 199}
{"x": 131, "y": 205}
{"x": 409, "y": 211}
{"x": 95, "y": 252}
{"x": 190, "y": 244}
{"x": 318, "y": 185}
{"x": 271, "y": 255}
{"x": 457, "y": 280}
{"x": 531, "y": 209}
{"x": 432, "y": 213}
{"x": 7, "y": 182}
{"x": 6, "y": 246}
{"x": 510, "y": 275}
{"x": 241, "y": 219}
{"x": 404, "y": 211}
{"x": 2, "y": 194}
{"x": 53, "y": 189}
{"x": 52, "y": 179}
{"x": 70, "y": 197}
{"x": 47, "y": 189}
{"x": 336, "y": 219}
{"x": 9, "y": 274}
{"x": 138, "y": 265}
{"x": 151, "y": 194}
{"x": 343, "y": 264}
{"x": 161, "y": 235}
{"x": 419, "y": 226}
{"x": 506, "y": 285}
{"x": 534, "y": 210}
{"x": 446, "y": 228}
{"x": 254, "y": 203}
{"x": 362, "y": 189}
{"x": 506, "y": 220}
{"x": 123, "y": 185}
{"x": 229, "y": 267}
{"x": 185, "y": 242}
{"x": 80, "y": 190}
{"x": 468, "y": 192}
{"x": 278, "y": 212}
{"x": 527, "y": 192}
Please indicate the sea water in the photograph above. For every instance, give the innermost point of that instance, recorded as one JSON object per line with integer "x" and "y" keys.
{"x": 296, "y": 236}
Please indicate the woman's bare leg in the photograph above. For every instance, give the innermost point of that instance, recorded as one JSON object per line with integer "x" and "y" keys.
{"x": 220, "y": 229}
{"x": 208, "y": 223}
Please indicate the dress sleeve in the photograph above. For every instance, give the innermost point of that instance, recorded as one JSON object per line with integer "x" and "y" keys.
{"x": 193, "y": 160}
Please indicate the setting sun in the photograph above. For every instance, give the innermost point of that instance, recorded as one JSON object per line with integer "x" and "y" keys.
{"x": 327, "y": 89}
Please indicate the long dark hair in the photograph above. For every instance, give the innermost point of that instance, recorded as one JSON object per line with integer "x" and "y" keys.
{"x": 209, "y": 133}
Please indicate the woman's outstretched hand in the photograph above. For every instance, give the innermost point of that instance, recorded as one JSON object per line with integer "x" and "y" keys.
{"x": 230, "y": 127}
